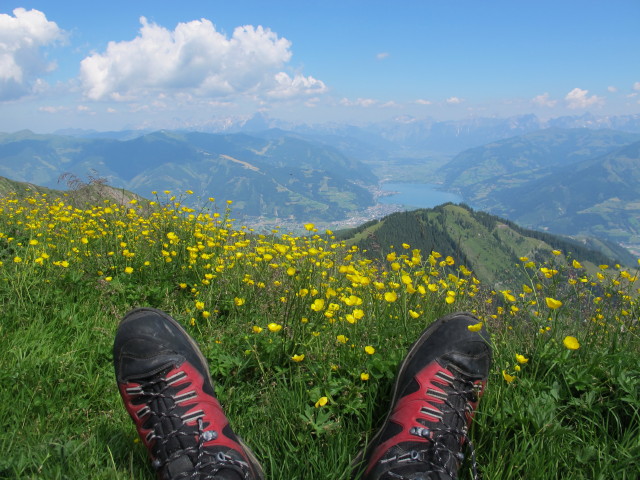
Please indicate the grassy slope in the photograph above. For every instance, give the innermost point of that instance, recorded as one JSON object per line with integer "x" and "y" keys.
{"x": 567, "y": 414}
{"x": 489, "y": 245}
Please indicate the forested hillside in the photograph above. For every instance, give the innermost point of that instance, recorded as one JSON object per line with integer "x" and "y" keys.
{"x": 487, "y": 244}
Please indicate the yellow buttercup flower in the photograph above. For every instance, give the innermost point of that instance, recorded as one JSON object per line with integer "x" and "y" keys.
{"x": 571, "y": 342}
{"x": 521, "y": 358}
{"x": 369, "y": 349}
{"x": 475, "y": 328}
{"x": 238, "y": 301}
{"x": 128, "y": 270}
{"x": 576, "y": 264}
{"x": 274, "y": 327}
{"x": 298, "y": 358}
{"x": 552, "y": 303}
{"x": 257, "y": 329}
{"x": 322, "y": 401}
{"x": 317, "y": 305}
{"x": 364, "y": 376}
{"x": 342, "y": 339}
{"x": 508, "y": 378}
{"x": 390, "y": 296}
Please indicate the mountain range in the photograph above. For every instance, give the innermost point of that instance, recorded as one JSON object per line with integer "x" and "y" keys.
{"x": 572, "y": 182}
{"x": 281, "y": 177}
{"x": 581, "y": 182}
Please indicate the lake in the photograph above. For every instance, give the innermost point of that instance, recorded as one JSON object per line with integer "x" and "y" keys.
{"x": 417, "y": 195}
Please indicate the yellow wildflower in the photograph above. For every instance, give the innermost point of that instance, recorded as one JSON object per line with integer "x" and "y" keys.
{"x": 571, "y": 342}
{"x": 317, "y": 305}
{"x": 553, "y": 303}
{"x": 322, "y": 401}
{"x": 521, "y": 358}
{"x": 508, "y": 378}
{"x": 364, "y": 376}
{"x": 298, "y": 358}
{"x": 390, "y": 296}
{"x": 369, "y": 349}
{"x": 475, "y": 328}
{"x": 274, "y": 327}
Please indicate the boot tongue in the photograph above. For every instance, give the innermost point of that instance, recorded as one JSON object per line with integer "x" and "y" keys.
{"x": 136, "y": 367}
{"x": 227, "y": 474}
{"x": 183, "y": 467}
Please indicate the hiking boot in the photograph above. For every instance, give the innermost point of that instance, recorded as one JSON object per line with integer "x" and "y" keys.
{"x": 165, "y": 384}
{"x": 437, "y": 390}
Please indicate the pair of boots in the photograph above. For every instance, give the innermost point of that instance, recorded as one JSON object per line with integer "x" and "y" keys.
{"x": 165, "y": 384}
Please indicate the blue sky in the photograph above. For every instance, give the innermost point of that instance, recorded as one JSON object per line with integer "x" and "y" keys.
{"x": 160, "y": 64}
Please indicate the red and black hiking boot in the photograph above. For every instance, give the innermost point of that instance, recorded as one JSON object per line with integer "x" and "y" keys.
{"x": 437, "y": 390}
{"x": 165, "y": 384}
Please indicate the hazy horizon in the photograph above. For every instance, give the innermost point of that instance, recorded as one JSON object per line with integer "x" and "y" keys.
{"x": 133, "y": 65}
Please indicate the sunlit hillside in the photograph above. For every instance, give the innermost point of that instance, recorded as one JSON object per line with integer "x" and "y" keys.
{"x": 303, "y": 335}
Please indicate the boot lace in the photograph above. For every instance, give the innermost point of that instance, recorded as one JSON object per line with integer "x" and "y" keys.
{"x": 153, "y": 394}
{"x": 443, "y": 451}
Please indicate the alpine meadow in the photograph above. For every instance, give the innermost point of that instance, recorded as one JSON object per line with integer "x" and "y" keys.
{"x": 303, "y": 334}
{"x": 337, "y": 240}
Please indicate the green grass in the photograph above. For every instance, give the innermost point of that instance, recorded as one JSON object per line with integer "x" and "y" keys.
{"x": 566, "y": 413}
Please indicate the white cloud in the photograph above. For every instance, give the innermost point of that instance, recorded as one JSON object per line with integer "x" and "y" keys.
{"x": 578, "y": 98}
{"x": 359, "y": 102}
{"x": 52, "y": 109}
{"x": 422, "y": 101}
{"x": 287, "y": 87}
{"x": 22, "y": 37}
{"x": 382, "y": 55}
{"x": 454, "y": 100}
{"x": 636, "y": 86}
{"x": 612, "y": 89}
{"x": 194, "y": 60}
{"x": 544, "y": 100}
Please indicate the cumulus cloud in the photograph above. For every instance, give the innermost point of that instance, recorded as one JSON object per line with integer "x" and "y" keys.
{"x": 544, "y": 100}
{"x": 454, "y": 100}
{"x": 578, "y": 98}
{"x": 22, "y": 36}
{"x": 194, "y": 59}
{"x": 422, "y": 101}
{"x": 359, "y": 102}
{"x": 636, "y": 86}
{"x": 287, "y": 87}
{"x": 612, "y": 88}
{"x": 52, "y": 109}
